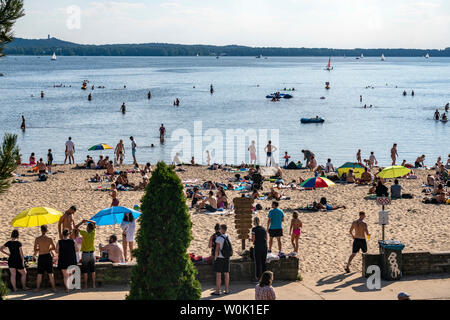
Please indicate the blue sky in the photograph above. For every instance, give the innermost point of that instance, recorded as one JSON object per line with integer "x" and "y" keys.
{"x": 287, "y": 23}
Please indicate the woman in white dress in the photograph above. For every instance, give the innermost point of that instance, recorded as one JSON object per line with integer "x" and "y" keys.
{"x": 128, "y": 232}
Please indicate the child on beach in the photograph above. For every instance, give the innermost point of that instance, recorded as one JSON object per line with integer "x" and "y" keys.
{"x": 295, "y": 231}
{"x": 286, "y": 159}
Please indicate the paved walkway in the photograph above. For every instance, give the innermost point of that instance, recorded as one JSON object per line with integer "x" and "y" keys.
{"x": 345, "y": 287}
{"x": 334, "y": 287}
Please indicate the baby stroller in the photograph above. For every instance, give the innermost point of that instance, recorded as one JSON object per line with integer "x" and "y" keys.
{"x": 257, "y": 181}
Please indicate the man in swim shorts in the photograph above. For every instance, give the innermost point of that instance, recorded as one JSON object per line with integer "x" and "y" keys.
{"x": 270, "y": 149}
{"x": 359, "y": 238}
{"x": 44, "y": 245}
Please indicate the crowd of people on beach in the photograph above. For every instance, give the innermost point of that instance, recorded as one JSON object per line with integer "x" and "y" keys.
{"x": 74, "y": 246}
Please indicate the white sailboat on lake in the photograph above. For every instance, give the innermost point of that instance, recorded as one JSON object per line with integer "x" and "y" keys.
{"x": 382, "y": 57}
{"x": 427, "y": 56}
{"x": 54, "y": 56}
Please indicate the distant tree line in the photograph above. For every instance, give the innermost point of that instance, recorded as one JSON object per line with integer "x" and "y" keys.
{"x": 63, "y": 48}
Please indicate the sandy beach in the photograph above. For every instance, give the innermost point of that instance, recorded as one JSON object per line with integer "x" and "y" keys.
{"x": 325, "y": 243}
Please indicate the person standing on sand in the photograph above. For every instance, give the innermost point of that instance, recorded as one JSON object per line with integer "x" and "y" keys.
{"x": 275, "y": 225}
{"x": 358, "y": 156}
{"x": 295, "y": 230}
{"x": 133, "y": 149}
{"x": 359, "y": 238}
{"x": 372, "y": 160}
{"x": 128, "y": 226}
{"x": 252, "y": 150}
{"x": 44, "y": 245}
{"x": 394, "y": 154}
{"x": 66, "y": 221}
{"x": 270, "y": 149}
{"x": 208, "y": 157}
{"x": 120, "y": 153}
{"x": 70, "y": 150}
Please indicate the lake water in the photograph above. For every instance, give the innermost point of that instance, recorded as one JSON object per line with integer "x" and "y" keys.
{"x": 239, "y": 102}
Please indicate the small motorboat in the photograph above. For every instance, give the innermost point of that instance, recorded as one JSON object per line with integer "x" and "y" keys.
{"x": 312, "y": 120}
{"x": 280, "y": 95}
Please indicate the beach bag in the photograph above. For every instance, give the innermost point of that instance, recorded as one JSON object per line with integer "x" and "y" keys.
{"x": 42, "y": 177}
{"x": 292, "y": 166}
{"x": 227, "y": 249}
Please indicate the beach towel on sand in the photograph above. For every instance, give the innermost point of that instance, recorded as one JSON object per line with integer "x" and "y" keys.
{"x": 217, "y": 213}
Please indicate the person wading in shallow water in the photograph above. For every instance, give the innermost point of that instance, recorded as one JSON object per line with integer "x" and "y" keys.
{"x": 359, "y": 238}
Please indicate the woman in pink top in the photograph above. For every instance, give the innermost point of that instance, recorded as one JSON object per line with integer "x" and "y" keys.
{"x": 32, "y": 160}
{"x": 264, "y": 290}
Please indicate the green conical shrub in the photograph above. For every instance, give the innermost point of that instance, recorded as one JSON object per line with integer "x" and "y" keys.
{"x": 164, "y": 270}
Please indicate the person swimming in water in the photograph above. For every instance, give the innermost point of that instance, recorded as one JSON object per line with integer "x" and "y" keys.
{"x": 447, "y": 106}
{"x": 437, "y": 115}
{"x": 90, "y": 97}
{"x": 212, "y": 89}
{"x": 444, "y": 117}
{"x": 23, "y": 126}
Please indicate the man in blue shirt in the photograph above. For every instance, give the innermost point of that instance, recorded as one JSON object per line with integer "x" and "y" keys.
{"x": 275, "y": 225}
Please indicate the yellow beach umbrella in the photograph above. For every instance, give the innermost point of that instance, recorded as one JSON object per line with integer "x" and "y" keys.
{"x": 394, "y": 172}
{"x": 36, "y": 217}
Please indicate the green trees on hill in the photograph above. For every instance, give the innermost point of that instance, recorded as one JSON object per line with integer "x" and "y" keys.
{"x": 10, "y": 11}
{"x": 64, "y": 48}
{"x": 164, "y": 270}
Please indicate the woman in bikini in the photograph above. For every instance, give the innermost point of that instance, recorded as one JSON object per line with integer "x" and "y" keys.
{"x": 295, "y": 230}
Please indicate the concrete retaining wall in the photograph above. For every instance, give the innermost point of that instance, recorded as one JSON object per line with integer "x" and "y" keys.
{"x": 414, "y": 263}
{"x": 111, "y": 274}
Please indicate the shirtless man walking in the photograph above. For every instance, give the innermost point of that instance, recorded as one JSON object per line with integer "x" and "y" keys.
{"x": 394, "y": 154}
{"x": 359, "y": 238}
{"x": 66, "y": 221}
{"x": 44, "y": 246}
{"x": 120, "y": 153}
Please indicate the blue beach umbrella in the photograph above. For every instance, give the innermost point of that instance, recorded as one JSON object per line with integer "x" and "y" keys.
{"x": 112, "y": 216}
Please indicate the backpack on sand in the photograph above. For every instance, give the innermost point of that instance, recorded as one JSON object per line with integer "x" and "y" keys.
{"x": 227, "y": 249}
